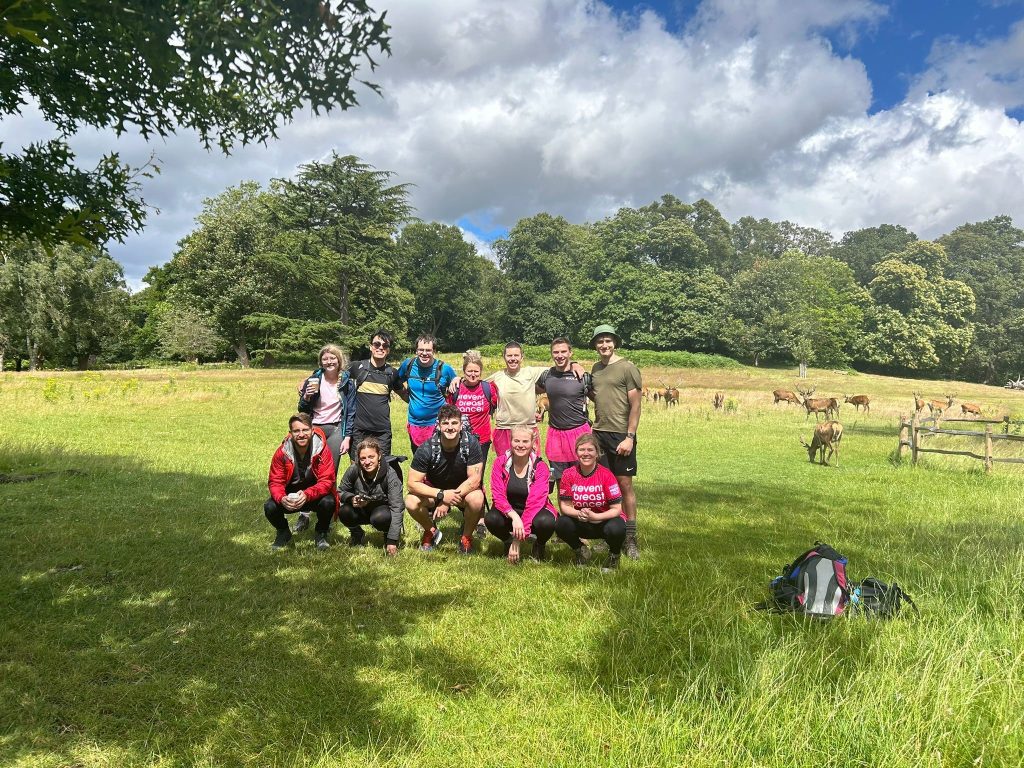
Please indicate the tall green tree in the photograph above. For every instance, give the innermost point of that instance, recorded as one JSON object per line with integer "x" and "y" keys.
{"x": 863, "y": 248}
{"x": 232, "y": 71}
{"x": 445, "y": 275}
{"x": 224, "y": 268}
{"x": 337, "y": 222}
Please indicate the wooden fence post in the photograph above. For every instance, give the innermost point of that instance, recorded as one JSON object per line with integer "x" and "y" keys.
{"x": 904, "y": 434}
{"x": 1006, "y": 425}
{"x": 914, "y": 426}
{"x": 988, "y": 448}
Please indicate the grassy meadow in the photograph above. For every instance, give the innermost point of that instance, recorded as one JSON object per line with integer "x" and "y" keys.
{"x": 144, "y": 620}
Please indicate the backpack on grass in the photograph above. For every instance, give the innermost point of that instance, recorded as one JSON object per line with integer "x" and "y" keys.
{"x": 875, "y": 599}
{"x": 814, "y": 584}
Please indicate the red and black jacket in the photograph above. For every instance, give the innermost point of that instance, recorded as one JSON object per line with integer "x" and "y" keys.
{"x": 321, "y": 465}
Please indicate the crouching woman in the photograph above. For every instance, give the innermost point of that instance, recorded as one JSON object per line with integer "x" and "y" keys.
{"x": 301, "y": 479}
{"x": 519, "y": 492}
{"x": 371, "y": 494}
{"x": 590, "y": 504}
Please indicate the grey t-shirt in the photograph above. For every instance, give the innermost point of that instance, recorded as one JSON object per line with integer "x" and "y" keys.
{"x": 567, "y": 397}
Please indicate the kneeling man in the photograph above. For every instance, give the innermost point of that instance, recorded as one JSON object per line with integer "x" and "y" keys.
{"x": 301, "y": 480}
{"x": 446, "y": 472}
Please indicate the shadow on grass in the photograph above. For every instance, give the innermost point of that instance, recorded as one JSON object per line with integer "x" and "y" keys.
{"x": 154, "y": 620}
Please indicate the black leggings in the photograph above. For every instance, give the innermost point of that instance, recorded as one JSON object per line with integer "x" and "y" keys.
{"x": 324, "y": 509}
{"x": 500, "y": 525}
{"x": 570, "y": 530}
{"x": 356, "y": 517}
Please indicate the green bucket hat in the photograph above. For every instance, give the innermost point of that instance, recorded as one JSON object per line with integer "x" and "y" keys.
{"x": 605, "y": 330}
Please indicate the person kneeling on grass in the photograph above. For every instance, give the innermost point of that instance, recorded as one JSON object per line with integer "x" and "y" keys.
{"x": 519, "y": 493}
{"x": 371, "y": 494}
{"x": 590, "y": 504}
{"x": 301, "y": 479}
{"x": 446, "y": 473}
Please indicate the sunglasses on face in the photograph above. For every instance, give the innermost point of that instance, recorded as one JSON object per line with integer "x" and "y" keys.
{"x": 380, "y": 345}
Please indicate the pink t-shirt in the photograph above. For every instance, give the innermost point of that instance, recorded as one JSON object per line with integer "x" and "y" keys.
{"x": 596, "y": 491}
{"x": 473, "y": 403}
{"x": 328, "y": 407}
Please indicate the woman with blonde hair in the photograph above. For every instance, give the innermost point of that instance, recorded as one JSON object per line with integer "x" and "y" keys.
{"x": 330, "y": 399}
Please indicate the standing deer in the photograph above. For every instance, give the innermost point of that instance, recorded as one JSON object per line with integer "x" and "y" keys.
{"x": 785, "y": 394}
{"x": 826, "y": 435}
{"x": 543, "y": 404}
{"x": 719, "y": 400}
{"x": 918, "y": 403}
{"x": 937, "y": 407}
{"x": 972, "y": 408}
{"x": 858, "y": 400}
{"x": 816, "y": 405}
{"x": 671, "y": 396}
{"x": 833, "y": 407}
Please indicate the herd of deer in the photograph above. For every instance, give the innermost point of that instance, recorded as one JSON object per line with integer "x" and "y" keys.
{"x": 827, "y": 406}
{"x": 938, "y": 407}
{"x": 668, "y": 395}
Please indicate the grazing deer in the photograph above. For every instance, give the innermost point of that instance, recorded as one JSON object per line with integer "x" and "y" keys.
{"x": 719, "y": 400}
{"x": 826, "y": 435}
{"x": 972, "y": 408}
{"x": 543, "y": 405}
{"x": 785, "y": 394}
{"x": 817, "y": 405}
{"x": 937, "y": 407}
{"x": 858, "y": 400}
{"x": 671, "y": 396}
{"x": 918, "y": 403}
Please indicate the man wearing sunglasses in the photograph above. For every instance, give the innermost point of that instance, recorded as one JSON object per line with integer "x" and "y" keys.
{"x": 375, "y": 381}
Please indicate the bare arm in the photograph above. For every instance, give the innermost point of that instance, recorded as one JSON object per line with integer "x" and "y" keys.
{"x": 419, "y": 487}
{"x": 474, "y": 473}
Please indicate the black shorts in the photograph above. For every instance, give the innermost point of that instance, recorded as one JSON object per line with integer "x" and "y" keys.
{"x": 621, "y": 466}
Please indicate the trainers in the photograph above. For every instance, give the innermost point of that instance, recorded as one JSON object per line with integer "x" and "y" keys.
{"x": 481, "y": 531}
{"x": 357, "y": 537}
{"x": 465, "y": 545}
{"x": 582, "y": 556}
{"x": 431, "y": 539}
{"x": 538, "y": 551}
{"x": 611, "y": 564}
{"x": 301, "y": 524}
{"x": 632, "y": 549}
{"x": 284, "y": 538}
{"x": 321, "y": 542}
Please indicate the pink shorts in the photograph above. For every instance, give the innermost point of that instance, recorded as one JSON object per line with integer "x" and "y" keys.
{"x": 419, "y": 435}
{"x": 501, "y": 441}
{"x": 561, "y": 443}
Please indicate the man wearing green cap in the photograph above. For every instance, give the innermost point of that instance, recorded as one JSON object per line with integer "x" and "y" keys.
{"x": 617, "y": 389}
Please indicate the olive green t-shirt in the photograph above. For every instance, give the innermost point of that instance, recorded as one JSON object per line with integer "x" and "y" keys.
{"x": 612, "y": 384}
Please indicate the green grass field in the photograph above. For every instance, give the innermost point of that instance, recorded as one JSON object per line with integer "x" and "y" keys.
{"x": 146, "y": 622}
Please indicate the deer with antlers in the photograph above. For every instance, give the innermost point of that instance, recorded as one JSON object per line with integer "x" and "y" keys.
{"x": 826, "y": 436}
{"x": 671, "y": 396}
{"x": 859, "y": 400}
{"x": 814, "y": 405}
{"x": 938, "y": 407}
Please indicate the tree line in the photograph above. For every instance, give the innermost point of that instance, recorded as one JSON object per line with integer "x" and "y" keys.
{"x": 334, "y": 252}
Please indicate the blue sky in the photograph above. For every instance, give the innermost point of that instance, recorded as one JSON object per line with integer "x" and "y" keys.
{"x": 836, "y": 114}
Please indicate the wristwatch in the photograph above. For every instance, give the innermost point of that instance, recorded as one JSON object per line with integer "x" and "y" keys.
{"x": 439, "y": 497}
{"x": 631, "y": 436}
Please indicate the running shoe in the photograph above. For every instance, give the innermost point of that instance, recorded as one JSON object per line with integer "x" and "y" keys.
{"x": 465, "y": 545}
{"x": 431, "y": 539}
{"x": 283, "y": 539}
{"x": 301, "y": 524}
{"x": 322, "y": 544}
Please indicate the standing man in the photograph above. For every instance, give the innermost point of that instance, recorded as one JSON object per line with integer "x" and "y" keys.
{"x": 617, "y": 388}
{"x": 374, "y": 380}
{"x": 428, "y": 380}
{"x": 567, "y": 414}
{"x": 446, "y": 472}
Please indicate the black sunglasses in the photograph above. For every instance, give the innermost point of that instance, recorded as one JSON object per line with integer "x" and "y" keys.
{"x": 380, "y": 345}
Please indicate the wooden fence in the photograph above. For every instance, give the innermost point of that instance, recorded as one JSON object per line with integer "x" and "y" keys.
{"x": 913, "y": 432}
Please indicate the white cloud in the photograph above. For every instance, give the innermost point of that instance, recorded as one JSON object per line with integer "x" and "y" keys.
{"x": 494, "y": 111}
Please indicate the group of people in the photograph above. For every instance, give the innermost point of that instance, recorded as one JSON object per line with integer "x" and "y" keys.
{"x": 345, "y": 409}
